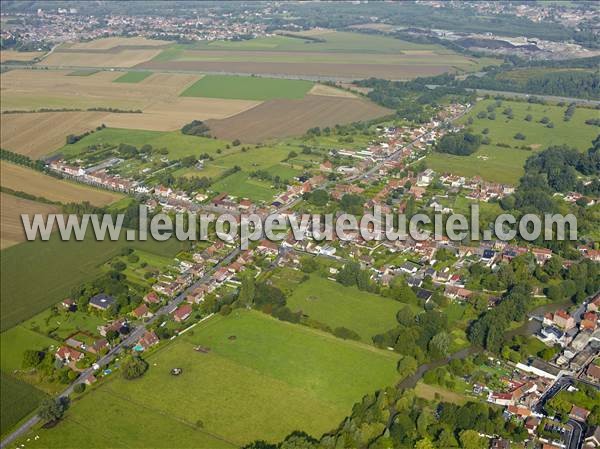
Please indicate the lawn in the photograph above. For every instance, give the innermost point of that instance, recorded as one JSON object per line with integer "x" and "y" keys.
{"x": 241, "y": 185}
{"x": 63, "y": 324}
{"x": 262, "y": 378}
{"x": 38, "y": 274}
{"x": 132, "y": 77}
{"x": 247, "y": 88}
{"x": 18, "y": 400}
{"x": 331, "y": 303}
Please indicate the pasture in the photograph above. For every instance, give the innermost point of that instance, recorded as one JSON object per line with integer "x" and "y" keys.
{"x": 309, "y": 379}
{"x": 284, "y": 117}
{"x": 339, "y": 54}
{"x": 247, "y": 88}
{"x": 505, "y": 165}
{"x": 43, "y": 273}
{"x": 574, "y": 132}
{"x": 11, "y": 208}
{"x": 19, "y": 399}
{"x": 132, "y": 77}
{"x": 333, "y": 304}
{"x": 33, "y": 182}
{"x": 157, "y": 97}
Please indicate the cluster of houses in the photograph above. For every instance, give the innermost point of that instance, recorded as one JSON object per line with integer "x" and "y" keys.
{"x": 577, "y": 334}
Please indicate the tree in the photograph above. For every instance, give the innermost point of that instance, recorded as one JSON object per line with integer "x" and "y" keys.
{"x": 439, "y": 344}
{"x": 247, "y": 289}
{"x": 345, "y": 333}
{"x": 52, "y": 409}
{"x": 32, "y": 358}
{"x": 425, "y": 443}
{"x": 133, "y": 367}
{"x": 470, "y": 439}
{"x": 79, "y": 388}
{"x": 318, "y": 197}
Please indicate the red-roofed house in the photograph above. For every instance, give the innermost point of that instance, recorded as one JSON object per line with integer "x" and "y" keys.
{"x": 152, "y": 298}
{"x": 182, "y": 313}
{"x": 149, "y": 339}
{"x": 68, "y": 355}
{"x": 578, "y": 413}
{"x": 142, "y": 311}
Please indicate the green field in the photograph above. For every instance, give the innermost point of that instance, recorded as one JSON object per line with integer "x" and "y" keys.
{"x": 178, "y": 145}
{"x": 14, "y": 342}
{"x": 505, "y": 165}
{"x": 18, "y": 400}
{"x": 339, "y": 306}
{"x": 38, "y": 274}
{"x": 247, "y": 88}
{"x": 492, "y": 163}
{"x": 132, "y": 77}
{"x": 309, "y": 379}
{"x": 574, "y": 133}
{"x": 241, "y": 185}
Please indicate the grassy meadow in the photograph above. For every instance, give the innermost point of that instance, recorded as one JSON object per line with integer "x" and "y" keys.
{"x": 329, "y": 302}
{"x": 309, "y": 379}
{"x": 505, "y": 165}
{"x": 247, "y": 88}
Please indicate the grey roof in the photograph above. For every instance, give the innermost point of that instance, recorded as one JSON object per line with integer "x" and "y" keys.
{"x": 102, "y": 301}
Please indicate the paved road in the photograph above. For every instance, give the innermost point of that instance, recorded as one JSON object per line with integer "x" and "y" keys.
{"x": 133, "y": 337}
{"x": 578, "y": 428}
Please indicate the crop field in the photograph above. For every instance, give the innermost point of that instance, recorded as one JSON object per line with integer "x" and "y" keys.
{"x": 18, "y": 400}
{"x": 157, "y": 96}
{"x": 338, "y": 306}
{"x": 309, "y": 379}
{"x": 133, "y": 77}
{"x": 57, "y": 267}
{"x": 505, "y": 165}
{"x": 112, "y": 42}
{"x": 283, "y": 118}
{"x": 341, "y": 54}
{"x": 11, "y": 208}
{"x": 41, "y": 133}
{"x": 20, "y": 56}
{"x": 24, "y": 179}
{"x": 328, "y": 91}
{"x": 247, "y": 88}
{"x": 121, "y": 58}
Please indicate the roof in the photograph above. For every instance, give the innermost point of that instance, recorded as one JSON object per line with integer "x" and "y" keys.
{"x": 579, "y": 413}
{"x": 183, "y": 312}
{"x": 102, "y": 301}
{"x": 593, "y": 371}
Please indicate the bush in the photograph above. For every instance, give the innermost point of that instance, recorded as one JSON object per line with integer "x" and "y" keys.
{"x": 345, "y": 333}
{"x": 133, "y": 367}
{"x": 79, "y": 388}
{"x": 519, "y": 136}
